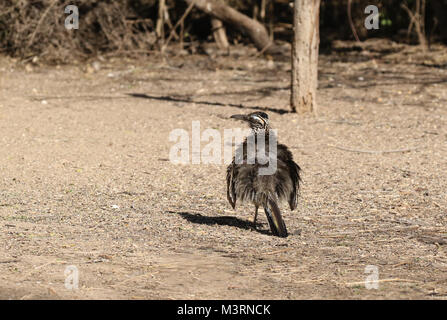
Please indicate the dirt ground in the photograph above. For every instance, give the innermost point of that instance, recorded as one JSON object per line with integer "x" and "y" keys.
{"x": 86, "y": 179}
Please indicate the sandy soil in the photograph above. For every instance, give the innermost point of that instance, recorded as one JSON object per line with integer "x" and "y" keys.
{"x": 86, "y": 180}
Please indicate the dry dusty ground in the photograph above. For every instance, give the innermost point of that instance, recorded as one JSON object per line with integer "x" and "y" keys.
{"x": 85, "y": 180}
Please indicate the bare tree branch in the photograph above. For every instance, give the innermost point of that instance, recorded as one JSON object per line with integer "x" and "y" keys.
{"x": 252, "y": 28}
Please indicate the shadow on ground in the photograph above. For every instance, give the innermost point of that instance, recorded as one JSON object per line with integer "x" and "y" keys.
{"x": 219, "y": 104}
{"x": 222, "y": 221}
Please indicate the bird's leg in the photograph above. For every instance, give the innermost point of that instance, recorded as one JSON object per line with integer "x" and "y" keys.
{"x": 256, "y": 215}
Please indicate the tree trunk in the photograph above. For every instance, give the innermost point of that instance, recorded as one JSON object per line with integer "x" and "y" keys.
{"x": 255, "y": 30}
{"x": 305, "y": 56}
{"x": 220, "y": 36}
{"x": 159, "y": 29}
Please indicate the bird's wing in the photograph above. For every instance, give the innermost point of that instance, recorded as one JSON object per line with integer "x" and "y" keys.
{"x": 294, "y": 170}
{"x": 231, "y": 192}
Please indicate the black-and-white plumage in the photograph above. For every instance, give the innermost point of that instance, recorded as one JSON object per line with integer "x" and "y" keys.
{"x": 244, "y": 182}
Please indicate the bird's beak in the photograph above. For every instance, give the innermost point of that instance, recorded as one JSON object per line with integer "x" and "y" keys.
{"x": 239, "y": 117}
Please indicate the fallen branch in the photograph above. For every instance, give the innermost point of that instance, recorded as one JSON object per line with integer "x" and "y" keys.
{"x": 252, "y": 28}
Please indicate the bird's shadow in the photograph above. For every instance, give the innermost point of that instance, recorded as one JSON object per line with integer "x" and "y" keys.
{"x": 221, "y": 220}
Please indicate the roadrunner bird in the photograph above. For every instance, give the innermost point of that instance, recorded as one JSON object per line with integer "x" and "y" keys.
{"x": 246, "y": 184}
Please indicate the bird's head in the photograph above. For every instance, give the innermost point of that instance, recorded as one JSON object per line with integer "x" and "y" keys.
{"x": 257, "y": 121}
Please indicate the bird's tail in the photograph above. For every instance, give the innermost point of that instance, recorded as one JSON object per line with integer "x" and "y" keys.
{"x": 274, "y": 217}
